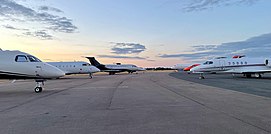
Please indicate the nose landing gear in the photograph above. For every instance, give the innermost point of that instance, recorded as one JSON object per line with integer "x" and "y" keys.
{"x": 201, "y": 76}
{"x": 39, "y": 85}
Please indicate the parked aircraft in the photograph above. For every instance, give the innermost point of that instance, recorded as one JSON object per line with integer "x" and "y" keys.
{"x": 240, "y": 65}
{"x": 115, "y": 68}
{"x": 20, "y": 65}
{"x": 75, "y": 67}
{"x": 179, "y": 67}
{"x": 188, "y": 69}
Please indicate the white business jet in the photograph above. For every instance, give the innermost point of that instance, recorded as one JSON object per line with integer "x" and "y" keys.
{"x": 20, "y": 65}
{"x": 75, "y": 67}
{"x": 239, "y": 65}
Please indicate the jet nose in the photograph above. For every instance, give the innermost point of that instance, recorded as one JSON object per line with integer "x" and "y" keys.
{"x": 95, "y": 69}
{"x": 194, "y": 69}
{"x": 52, "y": 72}
{"x": 142, "y": 69}
{"x": 59, "y": 73}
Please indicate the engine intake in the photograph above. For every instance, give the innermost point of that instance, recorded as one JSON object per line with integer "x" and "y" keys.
{"x": 267, "y": 63}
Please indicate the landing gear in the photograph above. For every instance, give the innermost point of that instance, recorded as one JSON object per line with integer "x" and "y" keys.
{"x": 258, "y": 75}
{"x": 39, "y": 85}
{"x": 201, "y": 76}
{"x": 38, "y": 89}
{"x": 90, "y": 76}
{"x": 130, "y": 72}
{"x": 248, "y": 75}
{"x": 111, "y": 73}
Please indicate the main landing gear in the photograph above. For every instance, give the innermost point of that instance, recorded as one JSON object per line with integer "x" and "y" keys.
{"x": 130, "y": 72}
{"x": 90, "y": 76}
{"x": 257, "y": 75}
{"x": 39, "y": 85}
{"x": 111, "y": 73}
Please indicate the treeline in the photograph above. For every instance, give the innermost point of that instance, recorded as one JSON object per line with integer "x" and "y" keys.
{"x": 159, "y": 68}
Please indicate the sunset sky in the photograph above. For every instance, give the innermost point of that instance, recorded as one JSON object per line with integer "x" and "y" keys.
{"x": 147, "y": 33}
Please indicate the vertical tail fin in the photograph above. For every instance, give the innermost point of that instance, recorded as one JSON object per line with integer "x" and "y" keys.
{"x": 93, "y": 61}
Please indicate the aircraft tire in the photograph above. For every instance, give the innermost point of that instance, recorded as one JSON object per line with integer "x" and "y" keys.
{"x": 38, "y": 89}
{"x": 258, "y": 75}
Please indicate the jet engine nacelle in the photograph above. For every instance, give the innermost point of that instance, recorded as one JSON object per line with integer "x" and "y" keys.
{"x": 267, "y": 62}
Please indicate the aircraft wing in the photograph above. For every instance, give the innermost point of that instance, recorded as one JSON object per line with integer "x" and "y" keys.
{"x": 248, "y": 71}
{"x": 257, "y": 71}
{"x": 113, "y": 70}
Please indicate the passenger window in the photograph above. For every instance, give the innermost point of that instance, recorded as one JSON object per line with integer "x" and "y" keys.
{"x": 241, "y": 63}
{"x": 233, "y": 63}
{"x": 237, "y": 63}
{"x": 21, "y": 58}
{"x": 229, "y": 63}
{"x": 245, "y": 62}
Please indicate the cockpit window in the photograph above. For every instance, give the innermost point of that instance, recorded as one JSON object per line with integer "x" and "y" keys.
{"x": 208, "y": 62}
{"x": 33, "y": 59}
{"x": 21, "y": 58}
{"x": 133, "y": 66}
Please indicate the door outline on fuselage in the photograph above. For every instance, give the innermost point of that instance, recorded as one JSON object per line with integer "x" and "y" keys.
{"x": 222, "y": 64}
{"x": 38, "y": 70}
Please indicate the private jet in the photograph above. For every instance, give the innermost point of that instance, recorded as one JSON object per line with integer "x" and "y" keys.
{"x": 75, "y": 67}
{"x": 188, "y": 69}
{"x": 237, "y": 65}
{"x": 19, "y": 65}
{"x": 115, "y": 68}
{"x": 179, "y": 67}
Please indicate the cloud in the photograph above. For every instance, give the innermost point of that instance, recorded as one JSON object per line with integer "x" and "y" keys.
{"x": 14, "y": 28}
{"x": 47, "y": 8}
{"x": 204, "y": 47}
{"x": 259, "y": 46}
{"x": 9, "y": 27}
{"x": 121, "y": 57}
{"x": 198, "y": 5}
{"x": 128, "y": 48}
{"x": 43, "y": 35}
{"x": 151, "y": 60}
{"x": 14, "y": 12}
